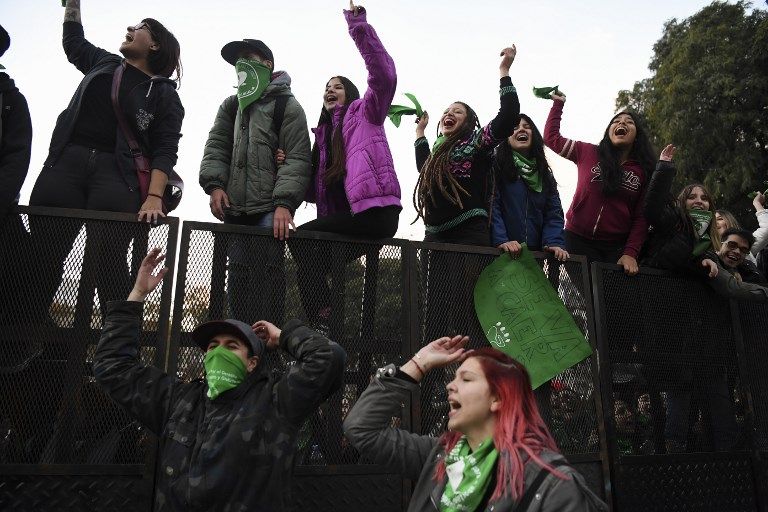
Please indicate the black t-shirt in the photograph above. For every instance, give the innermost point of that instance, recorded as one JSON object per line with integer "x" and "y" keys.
{"x": 96, "y": 126}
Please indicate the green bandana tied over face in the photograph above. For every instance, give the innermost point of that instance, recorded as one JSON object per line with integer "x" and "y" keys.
{"x": 252, "y": 78}
{"x": 528, "y": 171}
{"x": 701, "y": 221}
{"x": 469, "y": 475}
{"x": 223, "y": 371}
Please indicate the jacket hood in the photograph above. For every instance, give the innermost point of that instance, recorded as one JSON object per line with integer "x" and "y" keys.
{"x": 280, "y": 84}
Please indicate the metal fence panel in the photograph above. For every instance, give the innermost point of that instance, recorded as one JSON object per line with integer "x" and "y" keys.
{"x": 58, "y": 268}
{"x": 354, "y": 291}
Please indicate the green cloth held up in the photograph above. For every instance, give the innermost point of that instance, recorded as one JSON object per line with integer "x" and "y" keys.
{"x": 469, "y": 475}
{"x": 701, "y": 221}
{"x": 545, "y": 92}
{"x": 396, "y": 112}
{"x": 528, "y": 171}
{"x": 752, "y": 195}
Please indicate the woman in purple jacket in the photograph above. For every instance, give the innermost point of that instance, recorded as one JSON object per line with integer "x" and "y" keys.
{"x": 354, "y": 183}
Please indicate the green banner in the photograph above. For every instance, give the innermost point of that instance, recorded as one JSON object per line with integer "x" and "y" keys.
{"x": 523, "y": 316}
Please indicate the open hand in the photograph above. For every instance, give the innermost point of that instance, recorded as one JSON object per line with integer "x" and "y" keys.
{"x": 667, "y": 153}
{"x": 145, "y": 280}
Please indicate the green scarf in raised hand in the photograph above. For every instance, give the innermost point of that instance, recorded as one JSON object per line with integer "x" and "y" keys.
{"x": 252, "y": 78}
{"x": 396, "y": 112}
{"x": 528, "y": 171}
{"x": 469, "y": 475}
{"x": 701, "y": 221}
{"x": 545, "y": 92}
{"x": 223, "y": 371}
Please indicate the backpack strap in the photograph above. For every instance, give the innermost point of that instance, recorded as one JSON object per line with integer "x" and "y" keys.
{"x": 277, "y": 115}
{"x": 530, "y": 492}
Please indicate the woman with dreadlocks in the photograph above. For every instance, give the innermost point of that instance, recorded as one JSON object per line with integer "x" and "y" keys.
{"x": 605, "y": 221}
{"x": 451, "y": 194}
{"x": 354, "y": 183}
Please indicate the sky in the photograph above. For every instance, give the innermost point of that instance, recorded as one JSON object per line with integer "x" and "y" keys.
{"x": 444, "y": 51}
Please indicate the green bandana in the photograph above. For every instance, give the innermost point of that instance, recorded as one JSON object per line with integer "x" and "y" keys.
{"x": 469, "y": 475}
{"x": 223, "y": 371}
{"x": 398, "y": 111}
{"x": 252, "y": 78}
{"x": 701, "y": 221}
{"x": 545, "y": 92}
{"x": 528, "y": 171}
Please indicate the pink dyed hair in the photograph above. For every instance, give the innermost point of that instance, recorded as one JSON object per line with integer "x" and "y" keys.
{"x": 519, "y": 426}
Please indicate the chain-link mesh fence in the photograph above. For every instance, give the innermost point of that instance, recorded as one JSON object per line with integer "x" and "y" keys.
{"x": 352, "y": 291}
{"x": 446, "y": 278}
{"x": 57, "y": 271}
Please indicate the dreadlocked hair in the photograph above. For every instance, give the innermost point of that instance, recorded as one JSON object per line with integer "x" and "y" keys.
{"x": 435, "y": 175}
{"x": 336, "y": 159}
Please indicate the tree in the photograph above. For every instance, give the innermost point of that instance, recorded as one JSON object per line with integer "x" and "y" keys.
{"x": 708, "y": 95}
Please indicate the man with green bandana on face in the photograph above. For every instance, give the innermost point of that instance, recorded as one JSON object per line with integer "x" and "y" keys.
{"x": 240, "y": 174}
{"x": 226, "y": 443}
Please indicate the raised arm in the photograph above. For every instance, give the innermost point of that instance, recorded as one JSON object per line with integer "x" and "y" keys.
{"x": 368, "y": 425}
{"x": 382, "y": 77}
{"x": 566, "y": 148}
{"x": 144, "y": 391}
{"x": 421, "y": 145}
{"x": 657, "y": 209}
{"x": 761, "y": 233}
{"x": 79, "y": 51}
{"x": 317, "y": 374}
{"x": 505, "y": 121}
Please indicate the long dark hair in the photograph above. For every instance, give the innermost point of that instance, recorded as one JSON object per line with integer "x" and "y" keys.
{"x": 435, "y": 175}
{"x": 336, "y": 159}
{"x": 167, "y": 59}
{"x": 610, "y": 164}
{"x": 504, "y": 165}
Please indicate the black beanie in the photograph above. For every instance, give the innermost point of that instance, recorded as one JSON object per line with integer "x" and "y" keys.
{"x": 5, "y": 40}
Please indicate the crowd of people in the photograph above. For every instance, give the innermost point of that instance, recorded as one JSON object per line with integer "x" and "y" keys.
{"x": 229, "y": 442}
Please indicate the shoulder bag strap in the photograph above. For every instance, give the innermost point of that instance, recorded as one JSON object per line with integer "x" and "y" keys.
{"x": 127, "y": 132}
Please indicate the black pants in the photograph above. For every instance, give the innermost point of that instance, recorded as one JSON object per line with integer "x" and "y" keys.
{"x": 600, "y": 251}
{"x": 473, "y": 231}
{"x": 83, "y": 178}
{"x": 256, "y": 277}
{"x": 314, "y": 260}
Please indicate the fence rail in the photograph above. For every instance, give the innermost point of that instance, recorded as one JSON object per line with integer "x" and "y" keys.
{"x": 676, "y": 362}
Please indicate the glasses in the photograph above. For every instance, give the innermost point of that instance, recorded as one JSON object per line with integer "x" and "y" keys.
{"x": 142, "y": 25}
{"x": 732, "y": 246}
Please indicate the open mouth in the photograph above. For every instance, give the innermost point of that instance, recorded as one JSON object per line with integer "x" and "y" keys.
{"x": 449, "y": 122}
{"x": 128, "y": 38}
{"x": 522, "y": 137}
{"x": 620, "y": 131}
{"x": 330, "y": 98}
{"x": 697, "y": 207}
{"x": 454, "y": 407}
{"x": 734, "y": 258}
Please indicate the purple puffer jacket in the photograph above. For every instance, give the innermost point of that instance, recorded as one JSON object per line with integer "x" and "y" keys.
{"x": 371, "y": 180}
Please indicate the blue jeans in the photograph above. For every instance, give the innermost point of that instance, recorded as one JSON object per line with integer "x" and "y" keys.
{"x": 255, "y": 277}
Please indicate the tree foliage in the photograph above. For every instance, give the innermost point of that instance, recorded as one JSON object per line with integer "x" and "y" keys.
{"x": 708, "y": 96}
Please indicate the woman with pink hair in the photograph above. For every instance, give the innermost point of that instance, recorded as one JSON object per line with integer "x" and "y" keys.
{"x": 497, "y": 453}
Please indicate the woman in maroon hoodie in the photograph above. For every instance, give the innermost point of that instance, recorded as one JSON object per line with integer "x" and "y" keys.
{"x": 605, "y": 221}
